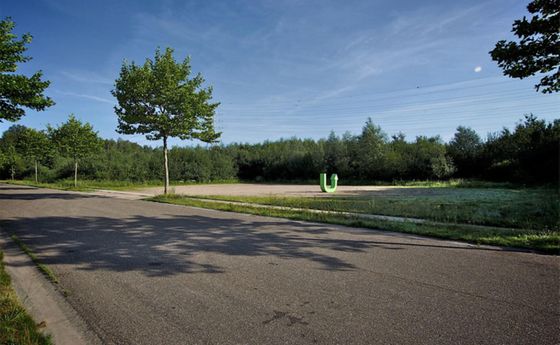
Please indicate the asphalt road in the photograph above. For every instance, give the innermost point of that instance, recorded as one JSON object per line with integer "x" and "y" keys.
{"x": 148, "y": 273}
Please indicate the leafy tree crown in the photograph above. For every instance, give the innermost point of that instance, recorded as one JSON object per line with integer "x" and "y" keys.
{"x": 75, "y": 139}
{"x": 538, "y": 49}
{"x": 159, "y": 99}
{"x": 18, "y": 91}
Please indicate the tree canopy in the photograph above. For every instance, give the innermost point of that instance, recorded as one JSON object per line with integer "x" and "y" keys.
{"x": 527, "y": 153}
{"x": 538, "y": 49}
{"x": 160, "y": 100}
{"x": 75, "y": 140}
{"x": 464, "y": 149}
{"x": 35, "y": 146}
{"x": 18, "y": 91}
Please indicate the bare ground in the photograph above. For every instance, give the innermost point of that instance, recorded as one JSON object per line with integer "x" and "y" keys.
{"x": 253, "y": 189}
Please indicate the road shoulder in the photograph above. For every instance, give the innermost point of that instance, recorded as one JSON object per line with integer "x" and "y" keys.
{"x": 42, "y": 301}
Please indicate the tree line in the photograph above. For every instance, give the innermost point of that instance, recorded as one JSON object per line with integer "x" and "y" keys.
{"x": 529, "y": 154}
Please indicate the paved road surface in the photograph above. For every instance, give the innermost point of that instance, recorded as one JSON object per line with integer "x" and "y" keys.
{"x": 147, "y": 273}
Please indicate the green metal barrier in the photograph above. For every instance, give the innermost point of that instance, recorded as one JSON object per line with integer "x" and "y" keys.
{"x": 323, "y": 183}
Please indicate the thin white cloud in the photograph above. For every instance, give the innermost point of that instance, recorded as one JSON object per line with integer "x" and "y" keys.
{"x": 86, "y": 77}
{"x": 86, "y": 96}
{"x": 477, "y": 69}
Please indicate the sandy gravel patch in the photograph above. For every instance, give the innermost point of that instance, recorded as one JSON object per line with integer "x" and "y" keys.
{"x": 248, "y": 189}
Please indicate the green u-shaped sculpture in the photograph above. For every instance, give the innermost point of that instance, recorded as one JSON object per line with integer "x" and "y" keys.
{"x": 323, "y": 183}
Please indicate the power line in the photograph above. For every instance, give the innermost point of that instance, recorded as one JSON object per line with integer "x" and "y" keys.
{"x": 428, "y": 120}
{"x": 490, "y": 104}
{"x": 337, "y": 109}
{"x": 417, "y": 91}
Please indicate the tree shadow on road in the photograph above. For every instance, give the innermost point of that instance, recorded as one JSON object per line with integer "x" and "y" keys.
{"x": 168, "y": 244}
{"x": 172, "y": 243}
{"x": 42, "y": 196}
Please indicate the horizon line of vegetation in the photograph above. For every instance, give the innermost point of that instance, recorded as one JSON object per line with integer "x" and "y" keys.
{"x": 526, "y": 155}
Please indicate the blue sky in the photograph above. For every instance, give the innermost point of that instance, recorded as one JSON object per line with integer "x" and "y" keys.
{"x": 289, "y": 68}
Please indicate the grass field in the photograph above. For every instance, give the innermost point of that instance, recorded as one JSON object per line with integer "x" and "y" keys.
{"x": 16, "y": 326}
{"x": 536, "y": 209}
{"x": 543, "y": 241}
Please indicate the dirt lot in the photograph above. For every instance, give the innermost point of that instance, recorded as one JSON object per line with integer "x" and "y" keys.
{"x": 248, "y": 189}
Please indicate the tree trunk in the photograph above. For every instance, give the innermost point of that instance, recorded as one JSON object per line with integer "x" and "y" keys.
{"x": 13, "y": 172}
{"x": 75, "y": 174}
{"x": 166, "y": 166}
{"x": 36, "y": 174}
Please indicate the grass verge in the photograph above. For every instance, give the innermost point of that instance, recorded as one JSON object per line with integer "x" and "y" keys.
{"x": 16, "y": 326}
{"x": 542, "y": 241}
{"x": 42, "y": 267}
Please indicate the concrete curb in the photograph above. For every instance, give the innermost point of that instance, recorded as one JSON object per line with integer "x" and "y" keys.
{"x": 41, "y": 299}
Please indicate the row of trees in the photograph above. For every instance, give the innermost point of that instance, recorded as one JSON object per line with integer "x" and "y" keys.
{"x": 527, "y": 154}
{"x": 26, "y": 147}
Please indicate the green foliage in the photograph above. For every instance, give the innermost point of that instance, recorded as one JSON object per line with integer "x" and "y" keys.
{"x": 36, "y": 147}
{"x": 159, "y": 100}
{"x": 75, "y": 139}
{"x": 369, "y": 152}
{"x": 464, "y": 150}
{"x": 527, "y": 154}
{"x": 13, "y": 162}
{"x": 201, "y": 165}
{"x": 442, "y": 167}
{"x": 18, "y": 91}
{"x": 35, "y": 144}
{"x": 538, "y": 49}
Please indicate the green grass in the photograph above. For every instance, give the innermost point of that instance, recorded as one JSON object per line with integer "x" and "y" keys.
{"x": 16, "y": 326}
{"x": 451, "y": 183}
{"x": 542, "y": 241}
{"x": 536, "y": 209}
{"x": 42, "y": 267}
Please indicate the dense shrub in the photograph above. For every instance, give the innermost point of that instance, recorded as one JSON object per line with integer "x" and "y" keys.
{"x": 527, "y": 154}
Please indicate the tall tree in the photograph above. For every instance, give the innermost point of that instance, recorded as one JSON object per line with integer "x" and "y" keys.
{"x": 75, "y": 140}
{"x": 35, "y": 146}
{"x": 464, "y": 149}
{"x": 159, "y": 99}
{"x": 538, "y": 49}
{"x": 12, "y": 160}
{"x": 16, "y": 90}
{"x": 371, "y": 151}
